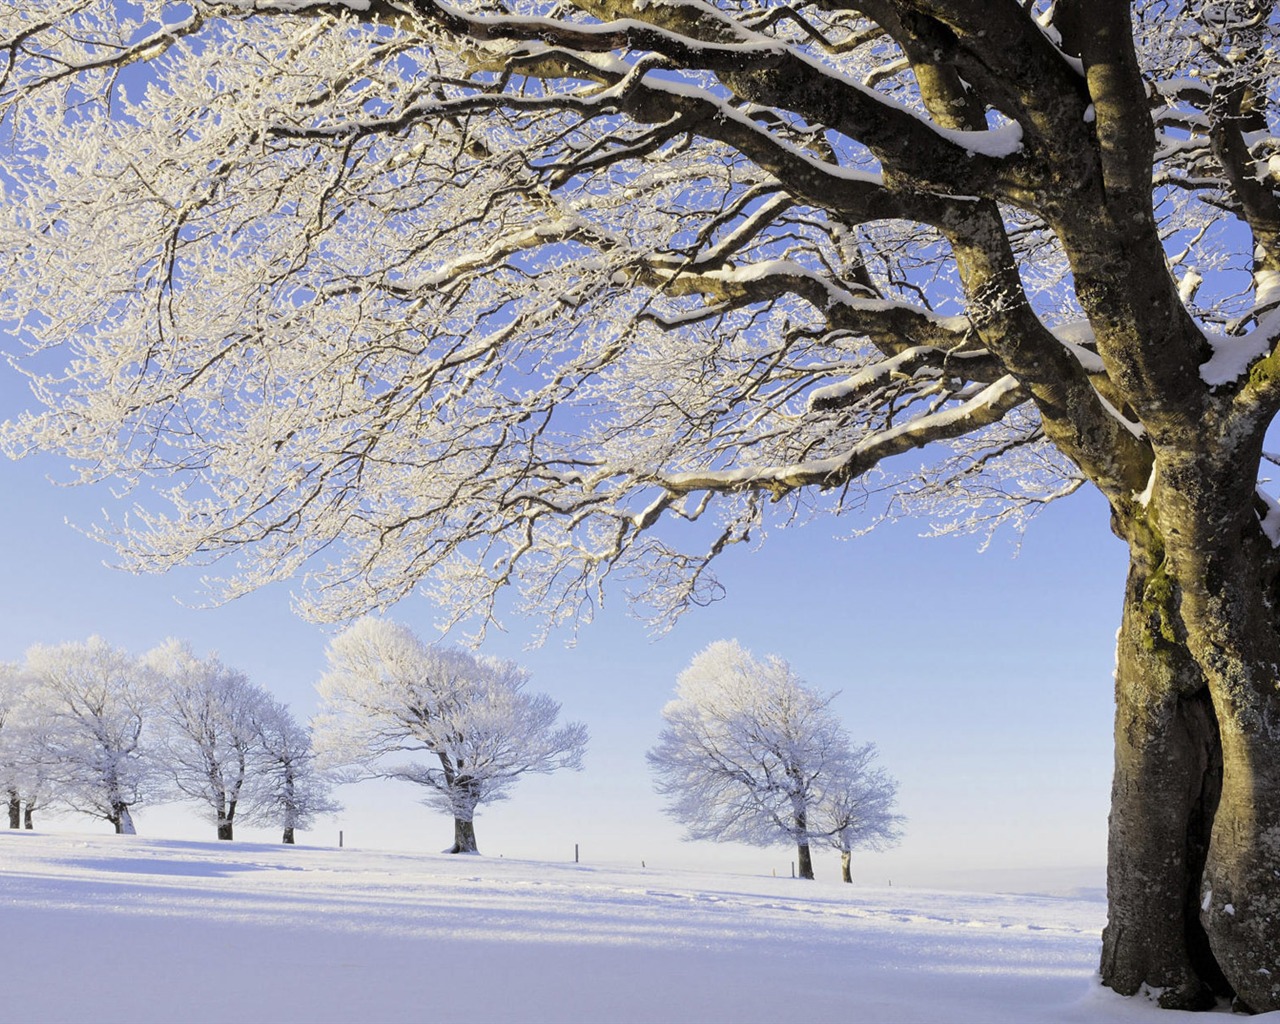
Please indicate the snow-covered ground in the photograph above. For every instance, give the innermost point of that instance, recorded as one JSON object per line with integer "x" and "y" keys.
{"x": 105, "y": 928}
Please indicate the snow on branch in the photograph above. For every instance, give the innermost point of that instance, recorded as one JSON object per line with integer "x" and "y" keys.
{"x": 461, "y": 297}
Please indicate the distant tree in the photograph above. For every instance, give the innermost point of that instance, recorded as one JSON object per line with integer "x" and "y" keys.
{"x": 748, "y": 751}
{"x": 12, "y": 685}
{"x": 209, "y": 737}
{"x": 469, "y": 718}
{"x": 25, "y": 742}
{"x": 98, "y": 700}
{"x": 856, "y": 807}
{"x": 294, "y": 790}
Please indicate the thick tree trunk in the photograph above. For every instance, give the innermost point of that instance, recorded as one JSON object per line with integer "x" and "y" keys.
{"x": 1240, "y": 907}
{"x": 1164, "y": 793}
{"x": 1222, "y": 571}
{"x": 464, "y": 837}
{"x": 1230, "y": 617}
{"x": 27, "y": 812}
{"x": 288, "y": 836}
{"x": 1196, "y": 757}
{"x": 846, "y": 874}
{"x": 805, "y": 860}
{"x": 15, "y": 810}
{"x": 226, "y": 830}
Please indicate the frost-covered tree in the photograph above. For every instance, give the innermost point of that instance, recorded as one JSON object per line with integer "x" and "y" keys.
{"x": 25, "y": 732}
{"x": 747, "y": 751}
{"x": 98, "y": 701}
{"x": 295, "y": 790}
{"x": 855, "y": 810}
{"x": 13, "y": 749}
{"x": 30, "y": 733}
{"x": 461, "y": 295}
{"x": 208, "y": 733}
{"x": 468, "y": 718}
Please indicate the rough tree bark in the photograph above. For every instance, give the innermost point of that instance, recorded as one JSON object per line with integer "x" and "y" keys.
{"x": 1168, "y": 768}
{"x": 27, "y": 814}
{"x": 1225, "y": 568}
{"x": 15, "y": 810}
{"x": 846, "y": 869}
{"x": 1195, "y": 821}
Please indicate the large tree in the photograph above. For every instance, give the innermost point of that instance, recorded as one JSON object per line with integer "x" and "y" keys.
{"x": 463, "y": 295}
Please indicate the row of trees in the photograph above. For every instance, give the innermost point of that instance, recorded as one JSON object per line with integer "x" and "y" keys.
{"x": 93, "y": 729}
{"x": 752, "y": 754}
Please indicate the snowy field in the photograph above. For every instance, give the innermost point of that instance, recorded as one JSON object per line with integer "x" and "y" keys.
{"x": 105, "y": 928}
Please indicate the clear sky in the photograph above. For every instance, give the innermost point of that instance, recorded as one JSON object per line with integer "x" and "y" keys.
{"x": 984, "y": 678}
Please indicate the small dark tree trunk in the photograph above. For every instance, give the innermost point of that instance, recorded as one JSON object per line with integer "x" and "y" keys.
{"x": 800, "y": 819}
{"x": 805, "y": 860}
{"x": 464, "y": 837}
{"x": 27, "y": 812}
{"x": 290, "y": 803}
{"x": 15, "y": 810}
{"x": 846, "y": 875}
{"x": 122, "y": 820}
{"x": 464, "y": 792}
{"x": 226, "y": 817}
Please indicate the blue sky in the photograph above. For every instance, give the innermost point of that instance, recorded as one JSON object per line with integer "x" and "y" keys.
{"x": 984, "y": 678}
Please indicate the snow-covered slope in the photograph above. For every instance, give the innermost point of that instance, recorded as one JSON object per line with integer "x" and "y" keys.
{"x": 108, "y": 928}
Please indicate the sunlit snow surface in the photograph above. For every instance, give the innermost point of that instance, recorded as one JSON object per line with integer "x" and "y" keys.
{"x": 108, "y": 928}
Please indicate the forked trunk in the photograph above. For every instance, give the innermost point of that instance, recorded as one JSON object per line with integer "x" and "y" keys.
{"x": 1195, "y": 822}
{"x": 464, "y": 837}
{"x": 1163, "y": 796}
{"x": 846, "y": 875}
